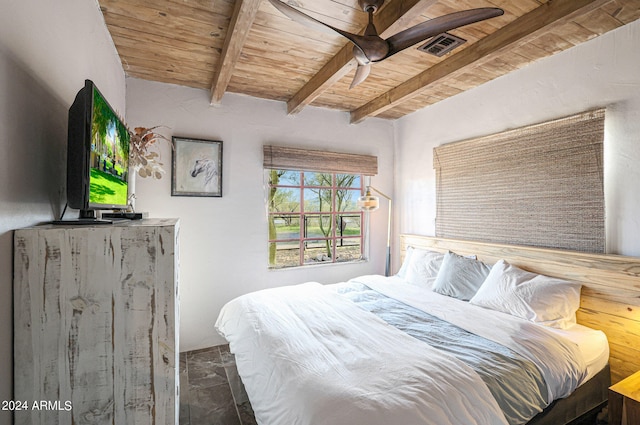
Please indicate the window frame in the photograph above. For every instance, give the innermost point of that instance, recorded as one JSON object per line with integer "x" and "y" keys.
{"x": 303, "y": 215}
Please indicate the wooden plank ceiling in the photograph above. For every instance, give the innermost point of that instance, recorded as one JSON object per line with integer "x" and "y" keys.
{"x": 249, "y": 47}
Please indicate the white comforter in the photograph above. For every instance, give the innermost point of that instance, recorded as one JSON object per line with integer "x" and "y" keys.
{"x": 559, "y": 360}
{"x": 308, "y": 356}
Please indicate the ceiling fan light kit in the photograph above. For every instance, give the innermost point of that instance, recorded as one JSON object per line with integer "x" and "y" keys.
{"x": 372, "y": 5}
{"x": 369, "y": 47}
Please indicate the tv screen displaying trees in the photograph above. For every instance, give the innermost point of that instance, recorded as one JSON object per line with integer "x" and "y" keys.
{"x": 109, "y": 162}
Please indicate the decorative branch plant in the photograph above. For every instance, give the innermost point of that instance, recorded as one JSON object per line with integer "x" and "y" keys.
{"x": 143, "y": 157}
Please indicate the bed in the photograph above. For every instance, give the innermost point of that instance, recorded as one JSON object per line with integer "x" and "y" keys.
{"x": 379, "y": 350}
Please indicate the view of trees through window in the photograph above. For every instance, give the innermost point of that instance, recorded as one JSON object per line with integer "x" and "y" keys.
{"x": 313, "y": 218}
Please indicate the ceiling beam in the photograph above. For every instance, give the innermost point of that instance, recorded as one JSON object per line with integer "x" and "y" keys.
{"x": 244, "y": 13}
{"x": 394, "y": 17}
{"x": 520, "y": 31}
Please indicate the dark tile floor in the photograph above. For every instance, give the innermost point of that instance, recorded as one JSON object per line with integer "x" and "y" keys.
{"x": 211, "y": 392}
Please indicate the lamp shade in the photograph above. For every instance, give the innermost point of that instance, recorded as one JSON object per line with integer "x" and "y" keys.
{"x": 372, "y": 203}
{"x": 368, "y": 202}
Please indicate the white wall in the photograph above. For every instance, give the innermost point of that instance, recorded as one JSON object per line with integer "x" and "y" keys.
{"x": 47, "y": 49}
{"x": 602, "y": 72}
{"x": 223, "y": 250}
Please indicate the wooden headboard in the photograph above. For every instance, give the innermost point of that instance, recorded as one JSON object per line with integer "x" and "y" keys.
{"x": 610, "y": 298}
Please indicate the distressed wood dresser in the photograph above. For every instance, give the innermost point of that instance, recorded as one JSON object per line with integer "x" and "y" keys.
{"x": 96, "y": 323}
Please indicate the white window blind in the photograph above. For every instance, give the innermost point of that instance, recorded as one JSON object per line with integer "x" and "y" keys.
{"x": 540, "y": 185}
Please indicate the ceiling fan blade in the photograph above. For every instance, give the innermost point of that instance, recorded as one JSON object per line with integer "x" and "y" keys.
{"x": 362, "y": 72}
{"x": 374, "y": 47}
{"x": 371, "y": 45}
{"x": 304, "y": 19}
{"x": 435, "y": 26}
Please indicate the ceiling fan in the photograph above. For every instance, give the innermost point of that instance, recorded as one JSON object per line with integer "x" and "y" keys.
{"x": 370, "y": 47}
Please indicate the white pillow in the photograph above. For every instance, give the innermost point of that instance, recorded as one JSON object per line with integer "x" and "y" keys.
{"x": 530, "y": 296}
{"x": 460, "y": 277}
{"x": 405, "y": 264}
{"x": 420, "y": 266}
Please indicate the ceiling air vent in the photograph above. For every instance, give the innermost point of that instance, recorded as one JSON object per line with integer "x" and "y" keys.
{"x": 442, "y": 44}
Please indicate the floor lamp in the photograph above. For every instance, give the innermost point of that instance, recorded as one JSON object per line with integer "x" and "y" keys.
{"x": 370, "y": 203}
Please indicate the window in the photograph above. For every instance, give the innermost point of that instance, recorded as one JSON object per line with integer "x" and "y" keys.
{"x": 313, "y": 218}
{"x": 312, "y": 212}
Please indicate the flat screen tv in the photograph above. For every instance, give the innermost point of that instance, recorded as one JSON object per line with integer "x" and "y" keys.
{"x": 97, "y": 155}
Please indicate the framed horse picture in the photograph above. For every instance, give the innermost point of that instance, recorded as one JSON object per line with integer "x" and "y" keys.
{"x": 196, "y": 167}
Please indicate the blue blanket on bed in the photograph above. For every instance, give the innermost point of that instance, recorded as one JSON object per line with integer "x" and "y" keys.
{"x": 516, "y": 383}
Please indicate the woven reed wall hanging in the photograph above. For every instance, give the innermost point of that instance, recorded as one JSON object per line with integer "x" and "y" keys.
{"x": 540, "y": 185}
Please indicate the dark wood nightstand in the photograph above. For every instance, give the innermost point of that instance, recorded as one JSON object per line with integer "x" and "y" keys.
{"x": 624, "y": 401}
